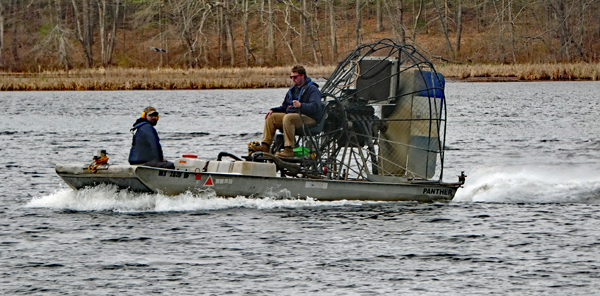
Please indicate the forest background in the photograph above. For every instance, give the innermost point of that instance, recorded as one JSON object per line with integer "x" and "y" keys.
{"x": 182, "y": 39}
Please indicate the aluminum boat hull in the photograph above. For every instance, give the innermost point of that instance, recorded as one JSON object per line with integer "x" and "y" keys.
{"x": 173, "y": 182}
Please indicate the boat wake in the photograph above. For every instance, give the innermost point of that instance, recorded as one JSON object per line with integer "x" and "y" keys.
{"x": 109, "y": 198}
{"x": 540, "y": 184}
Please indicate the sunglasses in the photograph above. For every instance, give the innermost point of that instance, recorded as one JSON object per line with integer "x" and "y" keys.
{"x": 295, "y": 76}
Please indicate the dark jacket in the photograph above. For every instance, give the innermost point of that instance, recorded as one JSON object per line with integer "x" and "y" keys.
{"x": 310, "y": 97}
{"x": 145, "y": 146}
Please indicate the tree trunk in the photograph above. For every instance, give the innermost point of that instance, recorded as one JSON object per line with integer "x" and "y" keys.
{"x": 101, "y": 24}
{"x": 221, "y": 34}
{"x": 84, "y": 29}
{"x": 458, "y": 24}
{"x": 333, "y": 31}
{"x": 396, "y": 26}
{"x": 287, "y": 41}
{"x": 311, "y": 34}
{"x": 511, "y": 24}
{"x": 229, "y": 31}
{"x": 15, "y": 39}
{"x": 2, "y": 12}
{"x": 444, "y": 28}
{"x": 562, "y": 29}
{"x": 166, "y": 34}
{"x": 112, "y": 38}
{"x": 106, "y": 39}
{"x": 245, "y": 25}
{"x": 263, "y": 37}
{"x": 306, "y": 13}
{"x": 190, "y": 16}
{"x": 401, "y": 21}
{"x": 358, "y": 22}
{"x": 305, "y": 24}
{"x": 379, "y": 16}
{"x": 63, "y": 51}
{"x": 416, "y": 21}
{"x": 270, "y": 29}
{"x": 569, "y": 47}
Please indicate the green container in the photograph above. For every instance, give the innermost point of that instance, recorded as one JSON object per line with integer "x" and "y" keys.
{"x": 301, "y": 151}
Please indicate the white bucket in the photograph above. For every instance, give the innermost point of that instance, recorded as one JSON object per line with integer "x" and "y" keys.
{"x": 190, "y": 164}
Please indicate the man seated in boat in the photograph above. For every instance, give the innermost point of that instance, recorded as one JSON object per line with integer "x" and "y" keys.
{"x": 303, "y": 99}
{"x": 145, "y": 148}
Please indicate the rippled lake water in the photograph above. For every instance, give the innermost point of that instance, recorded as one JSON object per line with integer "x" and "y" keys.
{"x": 526, "y": 221}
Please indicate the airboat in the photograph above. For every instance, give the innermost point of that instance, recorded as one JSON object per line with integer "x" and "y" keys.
{"x": 381, "y": 137}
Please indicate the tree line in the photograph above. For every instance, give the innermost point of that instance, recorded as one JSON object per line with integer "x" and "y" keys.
{"x": 66, "y": 34}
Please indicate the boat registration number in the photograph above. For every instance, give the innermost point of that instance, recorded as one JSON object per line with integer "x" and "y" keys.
{"x": 185, "y": 175}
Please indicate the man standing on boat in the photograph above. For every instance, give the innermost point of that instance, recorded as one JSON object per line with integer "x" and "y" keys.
{"x": 303, "y": 99}
{"x": 145, "y": 148}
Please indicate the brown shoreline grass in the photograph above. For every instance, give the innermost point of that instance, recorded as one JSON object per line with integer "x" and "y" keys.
{"x": 523, "y": 72}
{"x": 261, "y": 77}
{"x": 154, "y": 79}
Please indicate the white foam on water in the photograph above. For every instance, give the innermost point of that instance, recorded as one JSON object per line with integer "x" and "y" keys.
{"x": 110, "y": 198}
{"x": 532, "y": 184}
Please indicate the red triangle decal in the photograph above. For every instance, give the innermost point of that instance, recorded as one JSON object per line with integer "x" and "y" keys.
{"x": 209, "y": 181}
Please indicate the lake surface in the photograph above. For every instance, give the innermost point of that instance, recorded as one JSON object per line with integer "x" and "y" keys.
{"x": 526, "y": 221}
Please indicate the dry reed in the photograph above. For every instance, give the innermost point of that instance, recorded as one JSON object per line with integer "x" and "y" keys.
{"x": 526, "y": 72}
{"x": 260, "y": 77}
{"x": 161, "y": 78}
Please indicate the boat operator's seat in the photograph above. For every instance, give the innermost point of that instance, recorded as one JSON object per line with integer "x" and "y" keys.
{"x": 308, "y": 135}
{"x": 314, "y": 128}
{"x": 305, "y": 134}
{"x": 309, "y": 139}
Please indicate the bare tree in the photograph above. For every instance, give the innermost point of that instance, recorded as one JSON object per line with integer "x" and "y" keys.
{"x": 60, "y": 35}
{"x": 270, "y": 28}
{"x": 64, "y": 33}
{"x": 245, "y": 29}
{"x": 84, "y": 28}
{"x": 306, "y": 19}
{"x": 458, "y": 24}
{"x": 191, "y": 16}
{"x": 305, "y": 26}
{"x": 358, "y": 22}
{"x": 2, "y": 13}
{"x": 16, "y": 7}
{"x": 285, "y": 36}
{"x": 379, "y": 16}
{"x": 417, "y": 16}
{"x": 444, "y": 27}
{"x": 564, "y": 12}
{"x": 396, "y": 14}
{"x": 228, "y": 19}
{"x": 400, "y": 9}
{"x": 107, "y": 21}
{"x": 332, "y": 30}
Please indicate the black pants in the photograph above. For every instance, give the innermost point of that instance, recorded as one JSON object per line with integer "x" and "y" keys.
{"x": 160, "y": 164}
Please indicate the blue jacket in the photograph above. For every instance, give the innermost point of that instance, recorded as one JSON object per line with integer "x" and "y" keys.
{"x": 145, "y": 145}
{"x": 310, "y": 97}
